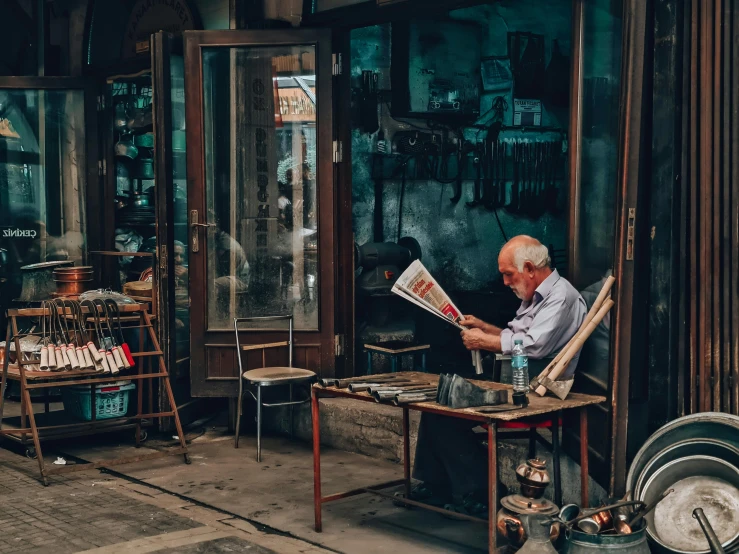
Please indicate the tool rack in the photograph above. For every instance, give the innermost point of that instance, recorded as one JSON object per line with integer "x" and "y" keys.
{"x": 149, "y": 366}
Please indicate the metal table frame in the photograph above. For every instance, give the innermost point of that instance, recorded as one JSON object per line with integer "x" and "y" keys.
{"x": 484, "y": 419}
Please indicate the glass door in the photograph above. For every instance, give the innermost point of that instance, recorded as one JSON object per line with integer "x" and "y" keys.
{"x": 260, "y": 198}
{"x": 170, "y": 168}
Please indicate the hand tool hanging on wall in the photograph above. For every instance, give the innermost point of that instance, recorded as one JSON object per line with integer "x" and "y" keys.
{"x": 461, "y": 162}
{"x": 502, "y": 148}
{"x": 491, "y": 138}
{"x": 477, "y": 195}
{"x": 512, "y": 205}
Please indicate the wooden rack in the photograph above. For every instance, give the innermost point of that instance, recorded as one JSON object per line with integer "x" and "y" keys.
{"x": 133, "y": 316}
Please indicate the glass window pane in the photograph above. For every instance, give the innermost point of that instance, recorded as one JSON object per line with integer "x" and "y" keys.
{"x": 179, "y": 169}
{"x": 42, "y": 182}
{"x": 599, "y": 169}
{"x": 260, "y": 174}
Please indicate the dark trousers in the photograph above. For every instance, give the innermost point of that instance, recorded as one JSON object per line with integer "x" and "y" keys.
{"x": 450, "y": 457}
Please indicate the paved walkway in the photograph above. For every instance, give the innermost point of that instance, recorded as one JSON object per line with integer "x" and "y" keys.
{"x": 94, "y": 512}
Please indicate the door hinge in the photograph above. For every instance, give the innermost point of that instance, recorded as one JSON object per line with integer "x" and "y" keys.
{"x": 101, "y": 102}
{"x": 105, "y": 167}
{"x": 102, "y": 168}
{"x": 338, "y": 151}
{"x": 630, "y": 223}
{"x": 339, "y": 345}
{"x": 337, "y": 68}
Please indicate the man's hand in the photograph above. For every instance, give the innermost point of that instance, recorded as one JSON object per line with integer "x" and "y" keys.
{"x": 472, "y": 322}
{"x": 475, "y": 339}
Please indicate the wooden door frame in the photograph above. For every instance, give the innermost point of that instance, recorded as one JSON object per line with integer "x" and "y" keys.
{"x": 194, "y": 41}
{"x": 631, "y": 173}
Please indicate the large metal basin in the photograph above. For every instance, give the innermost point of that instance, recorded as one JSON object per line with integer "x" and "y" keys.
{"x": 698, "y": 482}
{"x": 714, "y": 425}
{"x": 691, "y": 447}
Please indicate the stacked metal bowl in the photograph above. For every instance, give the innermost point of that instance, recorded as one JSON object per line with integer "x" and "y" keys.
{"x": 698, "y": 457}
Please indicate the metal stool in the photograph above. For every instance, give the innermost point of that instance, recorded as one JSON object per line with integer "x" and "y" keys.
{"x": 395, "y": 350}
{"x": 268, "y": 377}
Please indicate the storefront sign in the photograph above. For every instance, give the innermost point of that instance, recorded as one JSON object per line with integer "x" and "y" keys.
{"x": 151, "y": 16}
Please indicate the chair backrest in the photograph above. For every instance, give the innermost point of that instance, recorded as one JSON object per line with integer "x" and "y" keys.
{"x": 289, "y": 318}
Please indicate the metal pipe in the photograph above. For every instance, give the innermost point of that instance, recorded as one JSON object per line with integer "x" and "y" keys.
{"x": 713, "y": 542}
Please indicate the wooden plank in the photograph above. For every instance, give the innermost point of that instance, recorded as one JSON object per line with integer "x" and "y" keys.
{"x": 377, "y": 348}
{"x": 262, "y": 346}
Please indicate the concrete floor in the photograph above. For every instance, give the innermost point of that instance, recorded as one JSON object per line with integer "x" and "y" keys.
{"x": 278, "y": 493}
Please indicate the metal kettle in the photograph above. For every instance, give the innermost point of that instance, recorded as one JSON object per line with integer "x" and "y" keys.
{"x": 537, "y": 529}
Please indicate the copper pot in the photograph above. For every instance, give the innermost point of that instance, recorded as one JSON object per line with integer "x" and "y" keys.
{"x": 73, "y": 287}
{"x": 533, "y": 477}
{"x": 72, "y": 277}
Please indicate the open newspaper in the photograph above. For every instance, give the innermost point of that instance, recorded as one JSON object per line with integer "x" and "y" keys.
{"x": 418, "y": 286}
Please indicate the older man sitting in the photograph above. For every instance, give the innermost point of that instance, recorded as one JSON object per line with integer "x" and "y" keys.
{"x": 449, "y": 461}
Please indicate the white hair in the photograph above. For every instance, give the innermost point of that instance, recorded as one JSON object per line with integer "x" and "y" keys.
{"x": 537, "y": 254}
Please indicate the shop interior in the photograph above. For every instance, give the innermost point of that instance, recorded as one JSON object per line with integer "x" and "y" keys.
{"x": 459, "y": 139}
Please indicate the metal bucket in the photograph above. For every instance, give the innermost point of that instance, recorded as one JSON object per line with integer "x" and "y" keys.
{"x": 38, "y": 280}
{"x": 584, "y": 543}
{"x": 699, "y": 481}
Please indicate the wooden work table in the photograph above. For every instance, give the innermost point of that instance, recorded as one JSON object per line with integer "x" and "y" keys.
{"x": 537, "y": 406}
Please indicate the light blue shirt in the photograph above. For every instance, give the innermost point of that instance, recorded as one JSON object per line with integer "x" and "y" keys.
{"x": 548, "y": 321}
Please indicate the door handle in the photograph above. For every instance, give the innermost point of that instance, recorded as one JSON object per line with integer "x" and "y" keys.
{"x": 194, "y": 225}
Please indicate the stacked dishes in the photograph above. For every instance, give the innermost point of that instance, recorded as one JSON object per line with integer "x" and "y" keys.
{"x": 698, "y": 457}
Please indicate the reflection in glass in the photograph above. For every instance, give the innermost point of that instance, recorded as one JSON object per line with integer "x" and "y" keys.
{"x": 599, "y": 169}
{"x": 179, "y": 169}
{"x": 42, "y": 182}
{"x": 260, "y": 174}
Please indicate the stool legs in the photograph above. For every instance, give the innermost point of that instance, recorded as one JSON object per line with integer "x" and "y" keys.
{"x": 291, "y": 411}
{"x": 532, "y": 442}
{"x": 239, "y": 403}
{"x": 259, "y": 423}
{"x": 555, "y": 456}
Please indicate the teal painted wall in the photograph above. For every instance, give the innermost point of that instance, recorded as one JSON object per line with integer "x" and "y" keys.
{"x": 460, "y": 244}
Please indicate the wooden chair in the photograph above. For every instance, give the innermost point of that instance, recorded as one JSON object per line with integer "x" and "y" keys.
{"x": 268, "y": 377}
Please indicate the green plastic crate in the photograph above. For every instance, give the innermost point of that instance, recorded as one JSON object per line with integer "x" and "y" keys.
{"x": 110, "y": 401}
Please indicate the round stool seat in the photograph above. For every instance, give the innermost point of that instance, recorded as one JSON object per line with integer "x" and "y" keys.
{"x": 269, "y": 376}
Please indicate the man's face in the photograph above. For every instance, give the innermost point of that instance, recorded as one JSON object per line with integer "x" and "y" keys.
{"x": 522, "y": 284}
{"x": 178, "y": 255}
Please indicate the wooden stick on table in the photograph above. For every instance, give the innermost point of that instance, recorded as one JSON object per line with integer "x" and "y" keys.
{"x": 576, "y": 345}
{"x": 588, "y": 318}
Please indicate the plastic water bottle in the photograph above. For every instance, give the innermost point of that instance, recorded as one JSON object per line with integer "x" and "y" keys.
{"x": 520, "y": 364}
